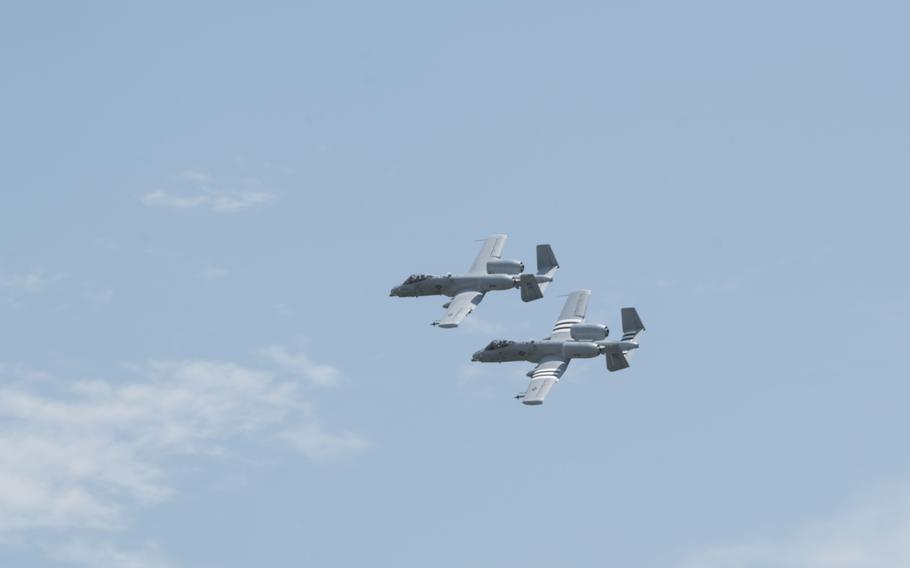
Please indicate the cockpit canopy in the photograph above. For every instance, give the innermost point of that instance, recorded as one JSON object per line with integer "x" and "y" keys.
{"x": 414, "y": 278}
{"x": 498, "y": 344}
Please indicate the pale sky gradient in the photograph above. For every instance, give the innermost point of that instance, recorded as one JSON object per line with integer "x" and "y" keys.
{"x": 204, "y": 208}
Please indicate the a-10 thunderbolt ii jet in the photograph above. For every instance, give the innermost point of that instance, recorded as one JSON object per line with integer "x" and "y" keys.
{"x": 571, "y": 339}
{"x": 489, "y": 272}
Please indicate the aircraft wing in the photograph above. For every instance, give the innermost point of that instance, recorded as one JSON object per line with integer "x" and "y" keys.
{"x": 573, "y": 312}
{"x": 459, "y": 307}
{"x": 492, "y": 248}
{"x": 543, "y": 377}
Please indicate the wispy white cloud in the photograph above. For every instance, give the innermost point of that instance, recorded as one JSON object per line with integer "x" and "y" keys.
{"x": 467, "y": 372}
{"x": 480, "y": 381}
{"x": 873, "y": 534}
{"x": 84, "y": 453}
{"x": 316, "y": 443}
{"x": 214, "y": 273}
{"x": 211, "y": 199}
{"x": 479, "y": 325}
{"x": 196, "y": 189}
{"x": 18, "y": 373}
{"x": 283, "y": 309}
{"x": 92, "y": 554}
{"x": 15, "y": 287}
{"x": 302, "y": 365}
{"x": 106, "y": 244}
{"x": 97, "y": 294}
{"x": 28, "y": 283}
{"x": 72, "y": 457}
{"x": 196, "y": 176}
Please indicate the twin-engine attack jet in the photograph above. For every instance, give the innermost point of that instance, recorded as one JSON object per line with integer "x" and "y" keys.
{"x": 571, "y": 339}
{"x": 489, "y": 272}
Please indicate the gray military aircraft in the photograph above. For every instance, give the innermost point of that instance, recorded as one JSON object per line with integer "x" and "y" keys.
{"x": 489, "y": 272}
{"x": 571, "y": 339}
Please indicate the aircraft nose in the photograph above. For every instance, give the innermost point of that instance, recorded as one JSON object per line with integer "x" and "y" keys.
{"x": 394, "y": 291}
{"x": 475, "y": 356}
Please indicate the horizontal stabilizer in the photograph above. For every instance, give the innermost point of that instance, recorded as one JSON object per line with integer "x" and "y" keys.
{"x": 530, "y": 289}
{"x": 616, "y": 361}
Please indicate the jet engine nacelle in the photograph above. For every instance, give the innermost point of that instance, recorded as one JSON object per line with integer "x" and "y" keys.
{"x": 574, "y": 349}
{"x": 502, "y": 266}
{"x": 589, "y": 332}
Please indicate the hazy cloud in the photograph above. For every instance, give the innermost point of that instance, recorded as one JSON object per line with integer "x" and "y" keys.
{"x": 93, "y": 554}
{"x": 479, "y": 325}
{"x": 300, "y": 364}
{"x": 314, "y": 442}
{"x": 283, "y": 309}
{"x": 213, "y": 200}
{"x": 82, "y": 453}
{"x": 97, "y": 294}
{"x": 214, "y": 273}
{"x": 15, "y": 287}
{"x": 202, "y": 190}
{"x": 873, "y": 534}
{"x": 18, "y": 373}
{"x": 105, "y": 244}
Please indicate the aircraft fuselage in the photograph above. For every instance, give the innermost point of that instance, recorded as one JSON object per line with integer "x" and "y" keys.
{"x": 536, "y": 351}
{"x": 450, "y": 285}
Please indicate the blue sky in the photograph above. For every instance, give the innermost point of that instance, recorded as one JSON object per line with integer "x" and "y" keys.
{"x": 206, "y": 205}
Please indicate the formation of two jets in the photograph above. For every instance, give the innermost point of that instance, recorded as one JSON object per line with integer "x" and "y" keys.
{"x": 571, "y": 337}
